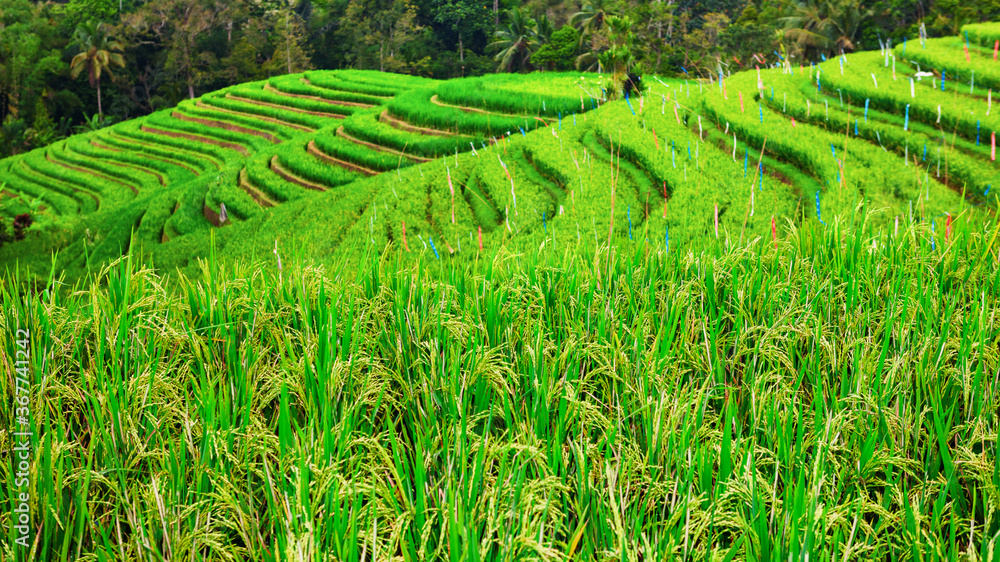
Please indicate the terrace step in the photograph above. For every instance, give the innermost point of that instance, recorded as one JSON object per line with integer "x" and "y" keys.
{"x": 158, "y": 175}
{"x": 312, "y": 149}
{"x": 262, "y": 199}
{"x": 398, "y": 123}
{"x": 285, "y": 108}
{"x": 288, "y": 176}
{"x": 226, "y": 126}
{"x": 48, "y": 157}
{"x": 53, "y": 180}
{"x": 436, "y": 101}
{"x": 342, "y": 133}
{"x": 273, "y": 90}
{"x": 144, "y": 155}
{"x": 302, "y": 128}
{"x": 198, "y": 138}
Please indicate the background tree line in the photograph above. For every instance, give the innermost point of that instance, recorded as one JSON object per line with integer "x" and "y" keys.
{"x": 74, "y": 65}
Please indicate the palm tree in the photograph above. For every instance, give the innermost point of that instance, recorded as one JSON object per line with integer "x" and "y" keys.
{"x": 100, "y": 53}
{"x": 826, "y": 24}
{"x": 846, "y": 20}
{"x": 544, "y": 29}
{"x": 592, "y": 18}
{"x": 516, "y": 42}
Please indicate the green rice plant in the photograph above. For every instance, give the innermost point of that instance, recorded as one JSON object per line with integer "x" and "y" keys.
{"x": 544, "y": 93}
{"x": 291, "y": 117}
{"x": 893, "y": 96}
{"x": 984, "y": 34}
{"x": 294, "y": 85}
{"x": 367, "y": 127}
{"x": 191, "y": 164}
{"x": 102, "y": 170}
{"x": 259, "y": 91}
{"x": 153, "y": 223}
{"x": 415, "y": 107}
{"x": 206, "y": 157}
{"x": 110, "y": 193}
{"x": 882, "y": 179}
{"x": 738, "y": 401}
{"x": 61, "y": 199}
{"x": 343, "y": 149}
{"x": 295, "y": 159}
{"x": 274, "y": 186}
{"x": 129, "y": 159}
{"x": 275, "y": 130}
{"x": 189, "y": 217}
{"x": 248, "y": 142}
{"x": 967, "y": 167}
{"x": 386, "y": 79}
{"x": 947, "y": 54}
{"x": 332, "y": 81}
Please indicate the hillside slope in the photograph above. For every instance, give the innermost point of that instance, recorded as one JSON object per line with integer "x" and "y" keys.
{"x": 341, "y": 161}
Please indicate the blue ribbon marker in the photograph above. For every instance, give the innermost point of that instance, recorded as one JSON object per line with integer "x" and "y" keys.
{"x": 988, "y": 189}
{"x": 684, "y": 70}
{"x": 866, "y": 109}
{"x": 431, "y": 240}
{"x": 933, "y": 245}
{"x": 823, "y": 57}
{"x": 689, "y": 150}
{"x": 855, "y": 127}
{"x": 560, "y": 120}
{"x": 761, "y": 112}
{"x": 746, "y": 156}
{"x": 977, "y": 133}
{"x": 942, "y": 80}
{"x": 629, "y": 104}
{"x": 522, "y": 132}
{"x": 833, "y": 150}
{"x": 772, "y": 93}
{"x": 543, "y": 223}
{"x": 818, "y": 217}
{"x": 666, "y": 238}
{"x": 760, "y": 166}
{"x": 629, "y": 213}
{"x": 904, "y": 46}
{"x": 906, "y": 120}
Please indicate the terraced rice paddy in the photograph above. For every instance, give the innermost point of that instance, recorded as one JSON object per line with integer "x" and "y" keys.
{"x": 503, "y": 318}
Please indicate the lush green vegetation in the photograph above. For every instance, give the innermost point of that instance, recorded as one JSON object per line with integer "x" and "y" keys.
{"x": 471, "y": 319}
{"x": 838, "y": 401}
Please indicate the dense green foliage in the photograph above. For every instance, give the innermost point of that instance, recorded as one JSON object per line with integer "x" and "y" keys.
{"x": 833, "y": 397}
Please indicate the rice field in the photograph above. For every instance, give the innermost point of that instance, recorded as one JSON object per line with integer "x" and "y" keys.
{"x": 505, "y": 318}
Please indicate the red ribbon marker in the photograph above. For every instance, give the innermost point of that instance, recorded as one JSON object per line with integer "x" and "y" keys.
{"x": 996, "y": 47}
{"x": 405, "y": 245}
{"x": 480, "y": 239}
{"x": 774, "y": 233}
